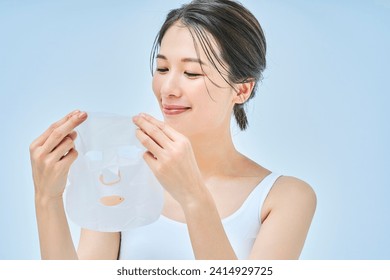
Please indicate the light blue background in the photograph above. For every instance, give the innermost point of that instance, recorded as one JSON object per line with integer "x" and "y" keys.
{"x": 321, "y": 113}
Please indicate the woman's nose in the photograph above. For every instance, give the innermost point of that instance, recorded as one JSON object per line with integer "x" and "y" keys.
{"x": 170, "y": 86}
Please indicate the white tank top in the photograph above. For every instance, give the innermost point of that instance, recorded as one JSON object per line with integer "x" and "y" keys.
{"x": 167, "y": 239}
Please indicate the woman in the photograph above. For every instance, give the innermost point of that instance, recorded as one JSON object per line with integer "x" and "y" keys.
{"x": 218, "y": 203}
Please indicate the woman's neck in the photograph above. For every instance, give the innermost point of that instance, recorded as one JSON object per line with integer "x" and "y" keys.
{"x": 215, "y": 153}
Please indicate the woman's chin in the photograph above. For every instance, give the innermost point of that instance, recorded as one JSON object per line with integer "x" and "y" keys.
{"x": 180, "y": 126}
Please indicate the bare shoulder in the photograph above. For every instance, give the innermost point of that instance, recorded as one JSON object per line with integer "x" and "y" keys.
{"x": 291, "y": 187}
{"x": 286, "y": 218}
{"x": 291, "y": 194}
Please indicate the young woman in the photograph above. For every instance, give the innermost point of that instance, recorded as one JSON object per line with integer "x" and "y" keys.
{"x": 219, "y": 204}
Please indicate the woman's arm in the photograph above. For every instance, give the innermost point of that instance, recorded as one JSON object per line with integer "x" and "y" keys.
{"x": 286, "y": 217}
{"x": 54, "y": 235}
{"x": 51, "y": 154}
{"x": 208, "y": 238}
{"x": 171, "y": 158}
{"x": 96, "y": 245}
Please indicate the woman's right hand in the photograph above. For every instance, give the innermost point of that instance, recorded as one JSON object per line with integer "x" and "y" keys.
{"x": 52, "y": 154}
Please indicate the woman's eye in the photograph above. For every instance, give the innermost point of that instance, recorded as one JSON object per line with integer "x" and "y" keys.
{"x": 162, "y": 70}
{"x": 192, "y": 75}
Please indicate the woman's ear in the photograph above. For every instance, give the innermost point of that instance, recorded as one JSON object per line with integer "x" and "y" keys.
{"x": 243, "y": 91}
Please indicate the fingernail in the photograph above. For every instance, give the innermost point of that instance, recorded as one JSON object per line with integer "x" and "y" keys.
{"x": 143, "y": 115}
{"x": 135, "y": 118}
{"x": 82, "y": 115}
{"x": 74, "y": 113}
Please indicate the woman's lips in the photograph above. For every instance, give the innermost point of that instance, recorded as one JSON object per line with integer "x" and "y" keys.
{"x": 174, "y": 109}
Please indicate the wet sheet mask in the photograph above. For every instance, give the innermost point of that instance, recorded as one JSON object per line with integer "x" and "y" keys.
{"x": 110, "y": 187}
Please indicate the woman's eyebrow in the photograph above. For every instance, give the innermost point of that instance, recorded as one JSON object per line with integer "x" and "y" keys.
{"x": 186, "y": 59}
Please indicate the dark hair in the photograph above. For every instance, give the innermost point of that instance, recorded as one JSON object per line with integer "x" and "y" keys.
{"x": 236, "y": 31}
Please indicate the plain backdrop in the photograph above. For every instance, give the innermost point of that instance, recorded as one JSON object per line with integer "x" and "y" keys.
{"x": 321, "y": 113}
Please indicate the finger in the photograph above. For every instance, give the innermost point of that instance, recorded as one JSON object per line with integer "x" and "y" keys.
{"x": 62, "y": 149}
{"x": 150, "y": 159}
{"x": 154, "y": 131}
{"x": 42, "y": 138}
{"x": 70, "y": 157}
{"x": 168, "y": 131}
{"x": 60, "y": 132}
{"x": 73, "y": 135}
{"x": 148, "y": 143}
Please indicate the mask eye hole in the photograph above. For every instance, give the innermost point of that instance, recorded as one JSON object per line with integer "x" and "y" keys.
{"x": 94, "y": 155}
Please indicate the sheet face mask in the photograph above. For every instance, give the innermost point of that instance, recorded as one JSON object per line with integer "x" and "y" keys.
{"x": 110, "y": 186}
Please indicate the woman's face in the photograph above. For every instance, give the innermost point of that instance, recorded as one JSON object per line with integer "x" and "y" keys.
{"x": 189, "y": 101}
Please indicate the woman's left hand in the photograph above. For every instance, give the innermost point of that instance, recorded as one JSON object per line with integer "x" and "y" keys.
{"x": 170, "y": 156}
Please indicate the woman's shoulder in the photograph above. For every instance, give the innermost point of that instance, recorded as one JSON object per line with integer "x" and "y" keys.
{"x": 292, "y": 187}
{"x": 290, "y": 195}
{"x": 287, "y": 191}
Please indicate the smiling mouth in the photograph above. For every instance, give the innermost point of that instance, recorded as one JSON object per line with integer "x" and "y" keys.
{"x": 174, "y": 109}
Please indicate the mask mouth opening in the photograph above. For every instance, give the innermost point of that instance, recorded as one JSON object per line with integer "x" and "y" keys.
{"x": 111, "y": 200}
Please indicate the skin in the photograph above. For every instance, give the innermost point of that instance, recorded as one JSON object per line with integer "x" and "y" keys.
{"x": 192, "y": 155}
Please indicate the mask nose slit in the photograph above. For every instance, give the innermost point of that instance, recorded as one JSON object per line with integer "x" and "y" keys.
{"x": 109, "y": 178}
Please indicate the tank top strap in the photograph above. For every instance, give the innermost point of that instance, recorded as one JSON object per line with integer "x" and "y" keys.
{"x": 260, "y": 193}
{"x": 251, "y": 208}
{"x": 246, "y": 221}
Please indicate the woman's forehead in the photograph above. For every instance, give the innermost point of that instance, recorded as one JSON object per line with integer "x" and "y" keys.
{"x": 177, "y": 40}
{"x": 189, "y": 42}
